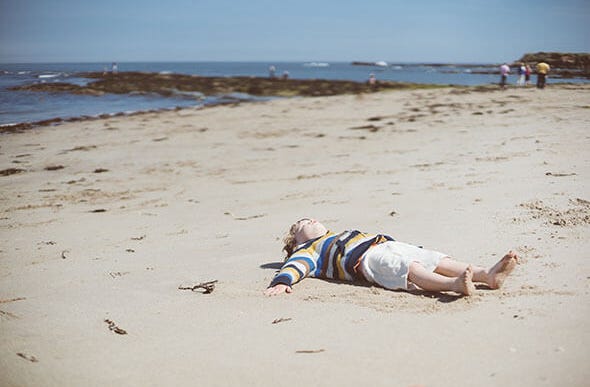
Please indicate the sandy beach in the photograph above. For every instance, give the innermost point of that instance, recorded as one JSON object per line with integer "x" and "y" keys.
{"x": 103, "y": 220}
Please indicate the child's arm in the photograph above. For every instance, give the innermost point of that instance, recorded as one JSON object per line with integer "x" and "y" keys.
{"x": 294, "y": 270}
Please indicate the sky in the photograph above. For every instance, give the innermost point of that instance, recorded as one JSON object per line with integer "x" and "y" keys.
{"x": 462, "y": 31}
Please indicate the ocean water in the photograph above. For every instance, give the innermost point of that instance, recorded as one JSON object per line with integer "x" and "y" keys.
{"x": 25, "y": 106}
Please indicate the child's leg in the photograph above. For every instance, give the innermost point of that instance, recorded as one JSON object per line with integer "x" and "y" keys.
{"x": 452, "y": 268}
{"x": 493, "y": 276}
{"x": 435, "y": 282}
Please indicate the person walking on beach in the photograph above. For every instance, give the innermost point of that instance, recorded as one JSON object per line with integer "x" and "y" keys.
{"x": 313, "y": 251}
{"x": 504, "y": 71}
{"x": 372, "y": 80}
{"x": 527, "y": 74}
{"x": 542, "y": 71}
{"x": 521, "y": 75}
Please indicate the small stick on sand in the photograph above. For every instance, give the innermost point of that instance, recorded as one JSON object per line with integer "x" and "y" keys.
{"x": 208, "y": 286}
{"x": 280, "y": 320}
{"x": 310, "y": 350}
{"x": 30, "y": 358}
{"x": 243, "y": 217}
{"x": 12, "y": 300}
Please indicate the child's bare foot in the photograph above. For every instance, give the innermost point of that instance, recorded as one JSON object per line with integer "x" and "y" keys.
{"x": 464, "y": 283}
{"x": 498, "y": 273}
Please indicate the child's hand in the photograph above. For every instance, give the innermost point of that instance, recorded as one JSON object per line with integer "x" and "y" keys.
{"x": 278, "y": 289}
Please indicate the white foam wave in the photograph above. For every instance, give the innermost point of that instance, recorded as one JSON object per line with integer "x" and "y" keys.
{"x": 316, "y": 64}
{"x": 45, "y": 76}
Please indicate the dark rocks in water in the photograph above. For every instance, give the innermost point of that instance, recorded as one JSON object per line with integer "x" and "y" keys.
{"x": 58, "y": 87}
{"x": 173, "y": 84}
{"x": 565, "y": 65}
{"x": 560, "y": 60}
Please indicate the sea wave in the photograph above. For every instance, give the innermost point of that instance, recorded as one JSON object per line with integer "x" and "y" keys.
{"x": 316, "y": 64}
{"x": 47, "y": 76}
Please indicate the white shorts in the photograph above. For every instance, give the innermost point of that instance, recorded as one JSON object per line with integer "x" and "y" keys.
{"x": 387, "y": 264}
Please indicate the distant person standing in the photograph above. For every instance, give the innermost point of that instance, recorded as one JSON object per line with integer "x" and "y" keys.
{"x": 114, "y": 68}
{"x": 542, "y": 71}
{"x": 521, "y": 74}
{"x": 372, "y": 80}
{"x": 527, "y": 74}
{"x": 271, "y": 71}
{"x": 285, "y": 74}
{"x": 504, "y": 71}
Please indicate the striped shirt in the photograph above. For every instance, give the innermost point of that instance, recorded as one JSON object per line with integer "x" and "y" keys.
{"x": 332, "y": 256}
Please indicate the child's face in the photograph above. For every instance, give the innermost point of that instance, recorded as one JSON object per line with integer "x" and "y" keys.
{"x": 306, "y": 229}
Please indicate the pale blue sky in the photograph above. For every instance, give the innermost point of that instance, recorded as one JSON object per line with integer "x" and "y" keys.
{"x": 300, "y": 30}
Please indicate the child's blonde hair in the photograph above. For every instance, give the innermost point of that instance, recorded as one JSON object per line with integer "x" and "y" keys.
{"x": 289, "y": 241}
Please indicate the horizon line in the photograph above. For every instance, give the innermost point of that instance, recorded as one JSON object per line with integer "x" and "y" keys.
{"x": 250, "y": 61}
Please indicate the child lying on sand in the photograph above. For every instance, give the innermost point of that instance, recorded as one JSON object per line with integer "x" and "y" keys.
{"x": 314, "y": 251}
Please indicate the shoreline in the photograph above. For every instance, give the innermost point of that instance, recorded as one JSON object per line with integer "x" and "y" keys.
{"x": 23, "y": 126}
{"x": 169, "y": 85}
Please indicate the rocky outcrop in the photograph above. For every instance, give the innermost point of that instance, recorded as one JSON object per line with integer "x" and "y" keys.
{"x": 566, "y": 65}
{"x": 560, "y": 60}
{"x": 171, "y": 84}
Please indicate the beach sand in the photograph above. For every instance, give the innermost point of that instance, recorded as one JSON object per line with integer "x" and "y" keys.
{"x": 107, "y": 218}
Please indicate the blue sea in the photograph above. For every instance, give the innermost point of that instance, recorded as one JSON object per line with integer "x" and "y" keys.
{"x": 25, "y": 106}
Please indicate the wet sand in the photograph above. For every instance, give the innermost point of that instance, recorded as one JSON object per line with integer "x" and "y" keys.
{"x": 105, "y": 222}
